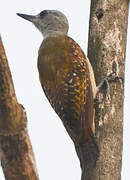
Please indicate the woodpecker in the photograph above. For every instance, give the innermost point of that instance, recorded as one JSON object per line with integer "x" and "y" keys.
{"x": 66, "y": 76}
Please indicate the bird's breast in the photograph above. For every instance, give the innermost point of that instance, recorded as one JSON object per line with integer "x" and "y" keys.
{"x": 65, "y": 79}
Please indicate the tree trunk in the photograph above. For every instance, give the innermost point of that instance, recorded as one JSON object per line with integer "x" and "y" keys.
{"x": 16, "y": 153}
{"x": 106, "y": 48}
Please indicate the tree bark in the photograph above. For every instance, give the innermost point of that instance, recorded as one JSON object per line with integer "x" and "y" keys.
{"x": 106, "y": 47}
{"x": 17, "y": 158}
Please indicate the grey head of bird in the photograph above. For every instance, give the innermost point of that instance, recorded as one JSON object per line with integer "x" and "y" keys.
{"x": 49, "y": 22}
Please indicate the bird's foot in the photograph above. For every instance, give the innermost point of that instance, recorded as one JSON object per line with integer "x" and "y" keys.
{"x": 104, "y": 86}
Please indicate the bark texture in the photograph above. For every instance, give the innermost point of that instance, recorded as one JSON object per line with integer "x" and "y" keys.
{"x": 16, "y": 153}
{"x": 107, "y": 47}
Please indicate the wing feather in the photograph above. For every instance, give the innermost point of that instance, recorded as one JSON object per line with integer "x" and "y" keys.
{"x": 69, "y": 90}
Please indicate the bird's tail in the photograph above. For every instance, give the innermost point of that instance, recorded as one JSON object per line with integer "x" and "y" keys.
{"x": 88, "y": 154}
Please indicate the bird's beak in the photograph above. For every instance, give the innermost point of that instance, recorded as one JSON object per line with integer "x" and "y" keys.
{"x": 27, "y": 17}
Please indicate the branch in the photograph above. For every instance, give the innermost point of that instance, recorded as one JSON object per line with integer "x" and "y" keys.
{"x": 107, "y": 45}
{"x": 16, "y": 153}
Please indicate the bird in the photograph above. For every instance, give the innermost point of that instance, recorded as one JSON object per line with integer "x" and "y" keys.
{"x": 67, "y": 79}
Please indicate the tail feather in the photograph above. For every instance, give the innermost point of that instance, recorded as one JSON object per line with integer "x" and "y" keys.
{"x": 88, "y": 154}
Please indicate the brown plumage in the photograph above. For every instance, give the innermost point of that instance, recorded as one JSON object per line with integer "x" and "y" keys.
{"x": 68, "y": 81}
{"x": 65, "y": 79}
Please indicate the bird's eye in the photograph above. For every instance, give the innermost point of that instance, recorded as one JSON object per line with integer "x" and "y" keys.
{"x": 43, "y": 13}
